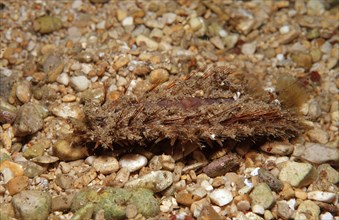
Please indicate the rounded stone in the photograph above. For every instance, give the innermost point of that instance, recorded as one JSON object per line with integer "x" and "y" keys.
{"x": 156, "y": 181}
{"x": 221, "y": 197}
{"x": 159, "y": 76}
{"x": 65, "y": 151}
{"x": 262, "y": 195}
{"x": 32, "y": 204}
{"x": 106, "y": 164}
{"x": 80, "y": 83}
{"x": 133, "y": 162}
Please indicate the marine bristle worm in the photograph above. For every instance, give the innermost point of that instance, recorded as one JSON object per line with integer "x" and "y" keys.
{"x": 205, "y": 109}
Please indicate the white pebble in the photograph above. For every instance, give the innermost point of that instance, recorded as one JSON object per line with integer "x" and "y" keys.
{"x": 80, "y": 83}
{"x": 127, "y": 21}
{"x": 101, "y": 25}
{"x": 249, "y": 48}
{"x": 133, "y": 162}
{"x": 280, "y": 57}
{"x": 321, "y": 196}
{"x": 258, "y": 209}
{"x": 284, "y": 29}
{"x": 169, "y": 17}
{"x": 86, "y": 68}
{"x": 326, "y": 216}
{"x": 206, "y": 185}
{"x": 221, "y": 197}
{"x": 63, "y": 78}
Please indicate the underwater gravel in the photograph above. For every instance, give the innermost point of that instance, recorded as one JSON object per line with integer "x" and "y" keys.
{"x": 56, "y": 55}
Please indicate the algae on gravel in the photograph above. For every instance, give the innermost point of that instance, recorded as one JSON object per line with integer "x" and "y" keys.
{"x": 115, "y": 200}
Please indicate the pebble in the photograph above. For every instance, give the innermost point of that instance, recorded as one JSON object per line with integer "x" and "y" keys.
{"x": 28, "y": 121}
{"x": 85, "y": 178}
{"x": 287, "y": 192}
{"x": 64, "y": 181}
{"x": 267, "y": 177}
{"x": 32, "y": 204}
{"x": 155, "y": 180}
{"x": 47, "y": 24}
{"x": 321, "y": 196}
{"x": 298, "y": 174}
{"x": 249, "y": 48}
{"x": 53, "y": 66}
{"x": 68, "y": 110}
{"x": 303, "y": 60}
{"x": 318, "y": 135}
{"x": 127, "y": 21}
{"x": 10, "y": 170}
{"x": 307, "y": 210}
{"x": 17, "y": 184}
{"x": 32, "y": 169}
{"x": 67, "y": 152}
{"x": 63, "y": 78}
{"x": 198, "y": 206}
{"x": 23, "y": 91}
{"x": 34, "y": 151}
{"x": 121, "y": 62}
{"x": 317, "y": 153}
{"x": 133, "y": 162}
{"x": 330, "y": 174}
{"x": 186, "y": 198}
{"x": 222, "y": 165}
{"x": 221, "y": 197}
{"x": 326, "y": 216}
{"x": 283, "y": 210}
{"x": 62, "y": 203}
{"x": 159, "y": 76}
{"x": 150, "y": 44}
{"x": 258, "y": 209}
{"x": 278, "y": 148}
{"x": 8, "y": 112}
{"x": 80, "y": 83}
{"x": 217, "y": 42}
{"x": 262, "y": 195}
{"x": 120, "y": 179}
{"x": 106, "y": 164}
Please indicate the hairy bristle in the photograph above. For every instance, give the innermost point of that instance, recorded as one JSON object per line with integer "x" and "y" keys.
{"x": 290, "y": 92}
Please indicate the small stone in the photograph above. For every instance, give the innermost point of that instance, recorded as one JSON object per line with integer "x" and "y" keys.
{"x": 284, "y": 29}
{"x": 63, "y": 78}
{"x": 298, "y": 174}
{"x": 318, "y": 135}
{"x": 10, "y": 170}
{"x": 284, "y": 210}
{"x": 307, "y": 210}
{"x": 159, "y": 76}
{"x": 287, "y": 37}
{"x": 127, "y": 21}
{"x": 186, "y": 199}
{"x": 249, "y": 48}
{"x": 321, "y": 196}
{"x": 64, "y": 181}
{"x": 198, "y": 206}
{"x": 155, "y": 180}
{"x": 8, "y": 112}
{"x": 267, "y": 177}
{"x": 131, "y": 211}
{"x": 106, "y": 164}
{"x": 80, "y": 83}
{"x": 208, "y": 212}
{"x": 47, "y": 24}
{"x": 258, "y": 209}
{"x": 31, "y": 169}
{"x": 62, "y": 203}
{"x": 221, "y": 197}
{"x": 28, "y": 121}
{"x": 326, "y": 216}
{"x": 68, "y": 110}
{"x": 53, "y": 67}
{"x": 196, "y": 23}
{"x": 287, "y": 191}
{"x": 85, "y": 57}
{"x": 330, "y": 174}
{"x": 32, "y": 204}
{"x": 121, "y": 62}
{"x": 317, "y": 153}
{"x": 120, "y": 179}
{"x": 262, "y": 195}
{"x": 245, "y": 25}
{"x": 315, "y": 8}
{"x": 222, "y": 165}
{"x": 66, "y": 151}
{"x": 300, "y": 194}
{"x": 34, "y": 151}
{"x": 85, "y": 178}
{"x": 17, "y": 184}
{"x": 217, "y": 42}
{"x": 278, "y": 148}
{"x": 303, "y": 60}
{"x": 151, "y": 44}
{"x": 23, "y": 91}
{"x": 133, "y": 162}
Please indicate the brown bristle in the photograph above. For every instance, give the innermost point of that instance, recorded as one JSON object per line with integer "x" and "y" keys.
{"x": 291, "y": 93}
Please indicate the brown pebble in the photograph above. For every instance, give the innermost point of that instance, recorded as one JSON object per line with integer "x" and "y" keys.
{"x": 158, "y": 76}
{"x": 186, "y": 198}
{"x": 17, "y": 184}
{"x": 267, "y": 177}
{"x": 208, "y": 213}
{"x": 222, "y": 165}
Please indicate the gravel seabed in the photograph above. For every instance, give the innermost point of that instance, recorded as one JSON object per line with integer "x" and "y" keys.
{"x": 56, "y": 54}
